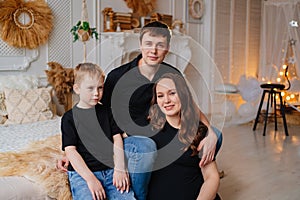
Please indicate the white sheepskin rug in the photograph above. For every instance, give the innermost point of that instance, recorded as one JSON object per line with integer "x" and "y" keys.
{"x": 38, "y": 163}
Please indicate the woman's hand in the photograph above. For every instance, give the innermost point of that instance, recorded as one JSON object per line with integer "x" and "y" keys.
{"x": 121, "y": 180}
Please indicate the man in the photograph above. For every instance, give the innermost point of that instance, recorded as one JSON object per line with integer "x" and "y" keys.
{"x": 140, "y": 74}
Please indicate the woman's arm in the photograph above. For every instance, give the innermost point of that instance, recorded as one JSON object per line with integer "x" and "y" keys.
{"x": 82, "y": 169}
{"x": 120, "y": 177}
{"x": 208, "y": 144}
{"x": 211, "y": 183}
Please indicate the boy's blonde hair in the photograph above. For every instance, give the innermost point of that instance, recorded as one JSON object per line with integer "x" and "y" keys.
{"x": 93, "y": 70}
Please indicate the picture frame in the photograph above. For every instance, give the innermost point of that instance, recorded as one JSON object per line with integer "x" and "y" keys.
{"x": 194, "y": 11}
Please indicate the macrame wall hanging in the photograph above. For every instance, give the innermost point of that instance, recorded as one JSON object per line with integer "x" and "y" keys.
{"x": 82, "y": 29}
{"x": 25, "y": 24}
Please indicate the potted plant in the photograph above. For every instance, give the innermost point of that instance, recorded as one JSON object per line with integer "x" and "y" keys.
{"x": 83, "y": 31}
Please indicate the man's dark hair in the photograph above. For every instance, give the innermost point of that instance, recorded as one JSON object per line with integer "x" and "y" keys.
{"x": 156, "y": 28}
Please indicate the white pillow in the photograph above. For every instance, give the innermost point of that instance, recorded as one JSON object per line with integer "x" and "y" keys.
{"x": 226, "y": 88}
{"x": 21, "y": 82}
{"x": 25, "y": 106}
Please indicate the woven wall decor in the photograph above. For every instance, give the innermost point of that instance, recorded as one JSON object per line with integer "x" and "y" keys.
{"x": 31, "y": 33}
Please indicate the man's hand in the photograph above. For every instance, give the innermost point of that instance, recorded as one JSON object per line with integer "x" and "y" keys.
{"x": 62, "y": 164}
{"x": 208, "y": 147}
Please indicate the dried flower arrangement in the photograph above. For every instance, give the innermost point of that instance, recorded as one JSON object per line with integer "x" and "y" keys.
{"x": 62, "y": 80}
{"x": 141, "y": 7}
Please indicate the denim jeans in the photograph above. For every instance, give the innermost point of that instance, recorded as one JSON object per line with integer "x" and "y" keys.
{"x": 81, "y": 191}
{"x": 141, "y": 153}
{"x": 220, "y": 139}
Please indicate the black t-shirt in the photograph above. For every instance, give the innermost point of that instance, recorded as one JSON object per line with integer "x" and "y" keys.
{"x": 177, "y": 174}
{"x": 91, "y": 131}
{"x": 129, "y": 93}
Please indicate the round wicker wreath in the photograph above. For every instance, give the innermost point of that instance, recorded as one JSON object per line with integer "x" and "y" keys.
{"x": 29, "y": 34}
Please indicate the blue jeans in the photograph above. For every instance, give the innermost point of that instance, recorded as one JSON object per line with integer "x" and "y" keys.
{"x": 141, "y": 153}
{"x": 220, "y": 139}
{"x": 80, "y": 190}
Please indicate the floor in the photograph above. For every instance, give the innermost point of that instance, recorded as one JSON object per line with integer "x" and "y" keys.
{"x": 260, "y": 167}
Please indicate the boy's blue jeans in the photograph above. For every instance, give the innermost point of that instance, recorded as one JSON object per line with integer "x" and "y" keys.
{"x": 80, "y": 190}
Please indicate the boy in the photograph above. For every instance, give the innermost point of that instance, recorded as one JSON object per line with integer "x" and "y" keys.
{"x": 86, "y": 128}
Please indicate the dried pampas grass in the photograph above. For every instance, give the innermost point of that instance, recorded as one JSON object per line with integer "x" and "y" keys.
{"x": 141, "y": 7}
{"x": 62, "y": 80}
{"x": 29, "y": 34}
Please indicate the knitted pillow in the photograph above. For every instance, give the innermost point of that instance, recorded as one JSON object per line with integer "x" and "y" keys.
{"x": 3, "y": 111}
{"x": 25, "y": 106}
{"x": 21, "y": 82}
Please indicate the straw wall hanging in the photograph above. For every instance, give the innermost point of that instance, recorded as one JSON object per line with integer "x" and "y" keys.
{"x": 25, "y": 23}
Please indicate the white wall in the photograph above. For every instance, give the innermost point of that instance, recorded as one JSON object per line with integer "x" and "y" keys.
{"x": 61, "y": 49}
{"x": 72, "y": 53}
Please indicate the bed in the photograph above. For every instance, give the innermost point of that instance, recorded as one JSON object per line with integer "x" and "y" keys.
{"x": 30, "y": 142}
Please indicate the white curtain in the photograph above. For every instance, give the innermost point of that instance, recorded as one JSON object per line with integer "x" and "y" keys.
{"x": 276, "y": 33}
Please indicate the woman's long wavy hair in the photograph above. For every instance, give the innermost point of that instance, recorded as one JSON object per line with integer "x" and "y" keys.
{"x": 192, "y": 130}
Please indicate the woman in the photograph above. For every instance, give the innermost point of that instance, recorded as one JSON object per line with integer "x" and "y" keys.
{"x": 177, "y": 174}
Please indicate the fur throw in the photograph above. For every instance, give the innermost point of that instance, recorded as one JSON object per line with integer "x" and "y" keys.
{"x": 38, "y": 163}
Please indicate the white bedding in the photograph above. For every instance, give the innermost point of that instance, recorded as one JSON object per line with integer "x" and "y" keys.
{"x": 16, "y": 137}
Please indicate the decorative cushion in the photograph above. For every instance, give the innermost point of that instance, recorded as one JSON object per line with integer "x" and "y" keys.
{"x": 3, "y": 111}
{"x": 25, "y": 106}
{"x": 226, "y": 88}
{"x": 2, "y": 119}
{"x": 21, "y": 82}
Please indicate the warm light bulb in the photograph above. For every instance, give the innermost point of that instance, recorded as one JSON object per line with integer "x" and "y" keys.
{"x": 288, "y": 98}
{"x": 278, "y": 80}
{"x": 282, "y": 94}
{"x": 284, "y": 66}
{"x": 281, "y": 73}
{"x": 269, "y": 82}
{"x": 292, "y": 96}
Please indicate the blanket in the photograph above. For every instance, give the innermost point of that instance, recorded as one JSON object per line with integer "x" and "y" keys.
{"x": 37, "y": 162}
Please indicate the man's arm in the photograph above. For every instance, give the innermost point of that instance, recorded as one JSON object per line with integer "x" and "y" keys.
{"x": 208, "y": 144}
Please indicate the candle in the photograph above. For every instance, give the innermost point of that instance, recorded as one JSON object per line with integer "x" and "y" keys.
{"x": 107, "y": 25}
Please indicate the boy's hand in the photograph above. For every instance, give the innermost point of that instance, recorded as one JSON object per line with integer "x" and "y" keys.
{"x": 62, "y": 164}
{"x": 96, "y": 188}
{"x": 121, "y": 180}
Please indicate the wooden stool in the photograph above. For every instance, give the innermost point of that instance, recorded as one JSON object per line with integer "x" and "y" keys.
{"x": 272, "y": 89}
